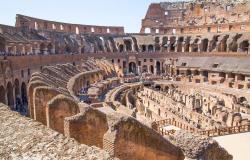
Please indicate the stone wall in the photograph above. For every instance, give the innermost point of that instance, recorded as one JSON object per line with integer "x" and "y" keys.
{"x": 25, "y": 138}
{"x": 39, "y": 24}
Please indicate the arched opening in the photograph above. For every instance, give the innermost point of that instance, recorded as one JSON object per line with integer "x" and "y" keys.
{"x": 132, "y": 67}
{"x": 179, "y": 44}
{"x": 67, "y": 49}
{"x": 204, "y": 45}
{"x": 242, "y": 100}
{"x": 213, "y": 43}
{"x": 24, "y": 98}
{"x": 187, "y": 44}
{"x": 50, "y": 48}
{"x": 135, "y": 44}
{"x": 2, "y": 44}
{"x": 165, "y": 43}
{"x": 177, "y": 72}
{"x": 233, "y": 46}
{"x": 158, "y": 67}
{"x": 2, "y": 95}
{"x": 121, "y": 48}
{"x": 144, "y": 69}
{"x": 17, "y": 89}
{"x": 18, "y": 103}
{"x": 152, "y": 69}
{"x": 222, "y": 47}
{"x": 172, "y": 44}
{"x": 150, "y": 48}
{"x": 157, "y": 47}
{"x": 195, "y": 46}
{"x": 42, "y": 48}
{"x": 143, "y": 48}
{"x": 244, "y": 46}
{"x": 205, "y": 74}
{"x": 10, "y": 96}
{"x": 128, "y": 45}
{"x": 196, "y": 73}
{"x": 189, "y": 72}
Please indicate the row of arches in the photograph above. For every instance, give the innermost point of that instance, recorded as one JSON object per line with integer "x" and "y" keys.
{"x": 219, "y": 43}
{"x": 145, "y": 68}
{"x": 23, "y": 49}
{"x": 15, "y": 96}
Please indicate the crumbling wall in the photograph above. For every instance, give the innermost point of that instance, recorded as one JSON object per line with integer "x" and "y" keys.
{"x": 87, "y": 127}
{"x": 41, "y": 96}
{"x": 132, "y": 140}
{"x": 58, "y": 109}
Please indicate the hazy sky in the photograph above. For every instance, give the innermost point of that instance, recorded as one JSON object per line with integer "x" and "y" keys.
{"x": 127, "y": 13}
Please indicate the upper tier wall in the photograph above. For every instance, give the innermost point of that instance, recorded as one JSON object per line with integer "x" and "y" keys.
{"x": 39, "y": 24}
{"x": 196, "y": 17}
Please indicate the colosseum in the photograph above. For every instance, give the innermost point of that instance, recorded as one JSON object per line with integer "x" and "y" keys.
{"x": 179, "y": 89}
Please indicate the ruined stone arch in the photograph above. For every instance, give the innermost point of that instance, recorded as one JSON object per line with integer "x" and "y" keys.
{"x": 213, "y": 43}
{"x": 150, "y": 48}
{"x": 165, "y": 43}
{"x": 158, "y": 67}
{"x": 2, "y": 44}
{"x": 17, "y": 89}
{"x": 24, "y": 93}
{"x": 121, "y": 48}
{"x": 195, "y": 45}
{"x": 172, "y": 44}
{"x": 50, "y": 48}
{"x": 179, "y": 44}
{"x": 242, "y": 100}
{"x": 188, "y": 72}
{"x": 244, "y": 46}
{"x": 10, "y": 96}
{"x": 222, "y": 47}
{"x": 143, "y": 48}
{"x": 233, "y": 46}
{"x": 152, "y": 69}
{"x": 132, "y": 67}
{"x": 144, "y": 68}
{"x": 2, "y": 95}
{"x": 135, "y": 44}
{"x": 177, "y": 72}
{"x": 128, "y": 45}
{"x": 187, "y": 44}
{"x": 204, "y": 45}
{"x": 42, "y": 48}
{"x": 196, "y": 72}
{"x": 67, "y": 49}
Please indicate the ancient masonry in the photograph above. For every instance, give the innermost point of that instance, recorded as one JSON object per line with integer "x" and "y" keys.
{"x": 71, "y": 91}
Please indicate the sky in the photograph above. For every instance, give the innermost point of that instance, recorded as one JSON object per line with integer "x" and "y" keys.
{"x": 127, "y": 13}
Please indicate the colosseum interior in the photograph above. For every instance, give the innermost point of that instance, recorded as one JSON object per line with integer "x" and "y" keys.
{"x": 170, "y": 92}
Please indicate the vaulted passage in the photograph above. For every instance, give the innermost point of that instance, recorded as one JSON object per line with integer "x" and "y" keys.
{"x": 2, "y": 45}
{"x": 24, "y": 94}
{"x": 144, "y": 69}
{"x": 244, "y": 46}
{"x": 128, "y": 45}
{"x": 158, "y": 67}
{"x": 17, "y": 89}
{"x": 2, "y": 95}
{"x": 42, "y": 48}
{"x": 10, "y": 95}
{"x": 204, "y": 45}
{"x": 132, "y": 67}
{"x": 121, "y": 48}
